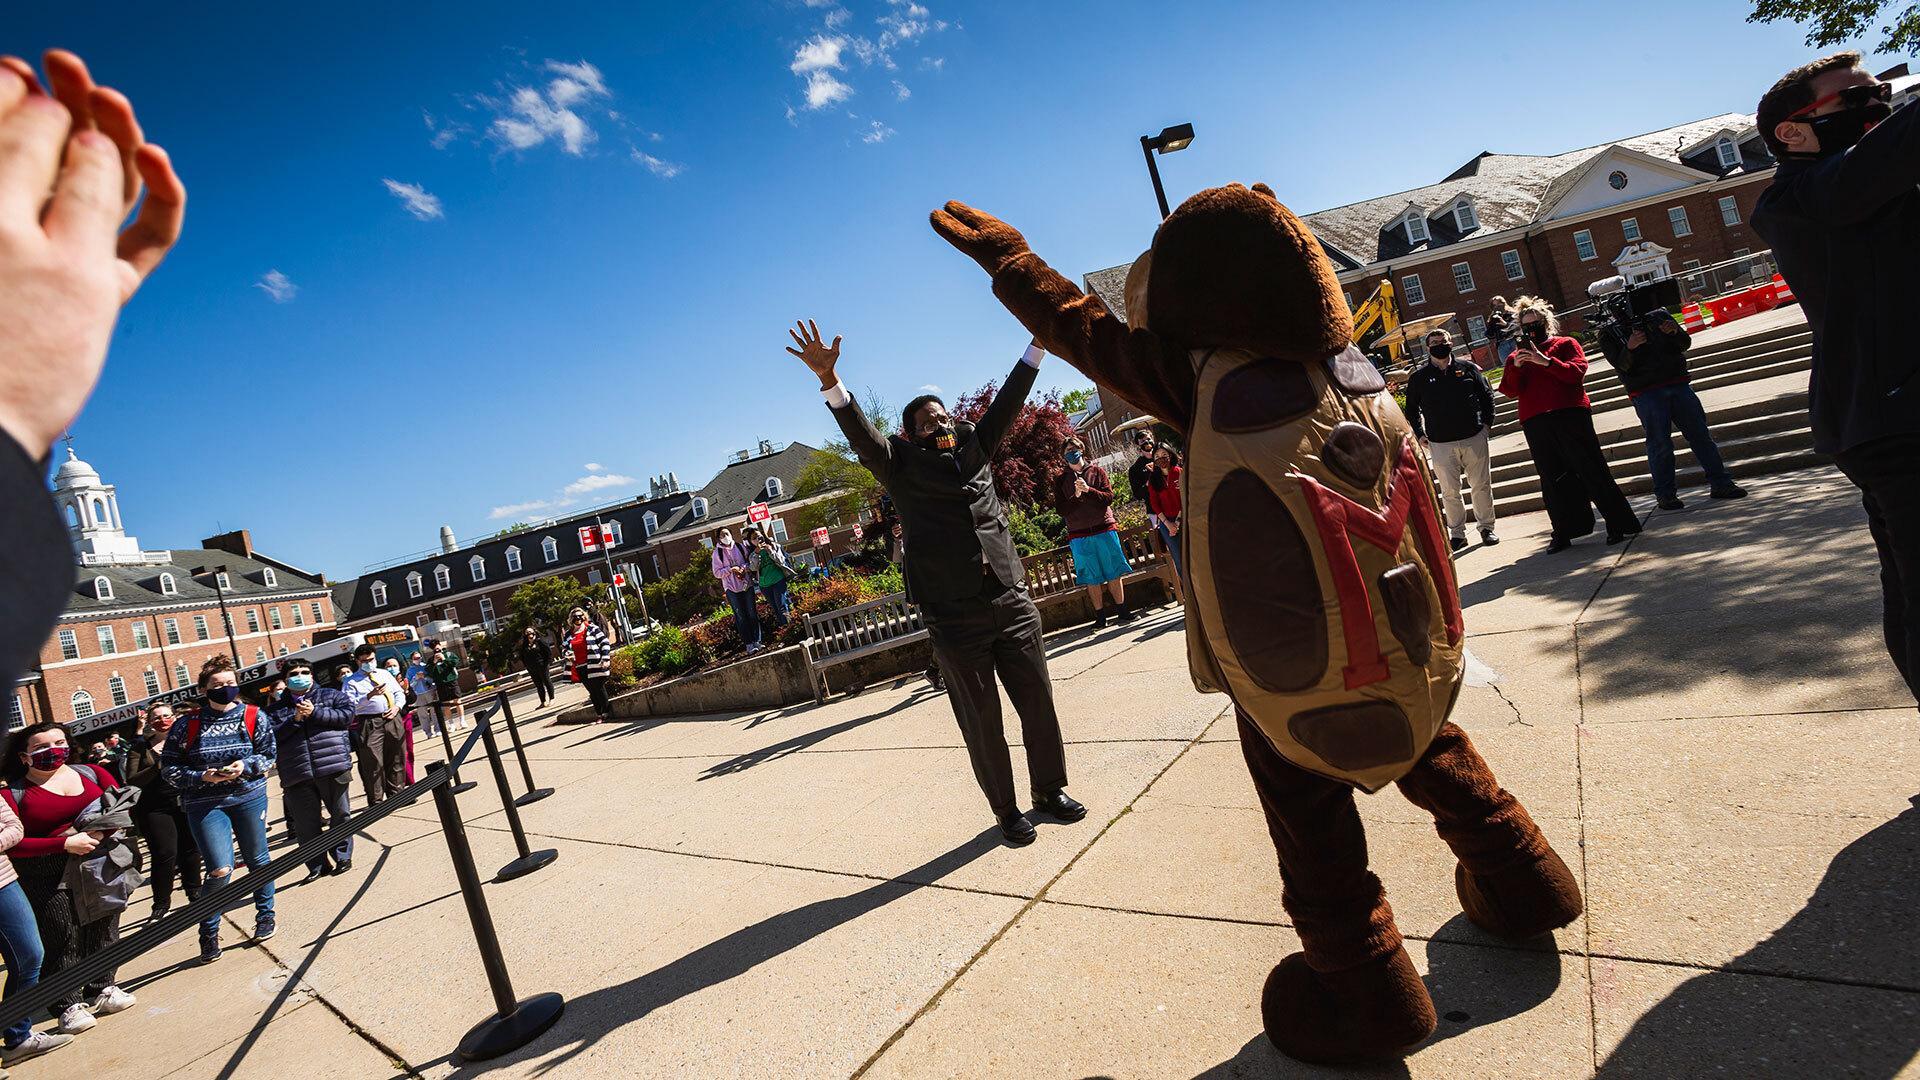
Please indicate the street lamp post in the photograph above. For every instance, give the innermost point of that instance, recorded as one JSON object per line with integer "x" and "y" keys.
{"x": 1178, "y": 137}
{"x": 220, "y": 593}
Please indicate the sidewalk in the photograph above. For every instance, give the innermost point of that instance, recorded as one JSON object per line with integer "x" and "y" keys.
{"x": 1704, "y": 721}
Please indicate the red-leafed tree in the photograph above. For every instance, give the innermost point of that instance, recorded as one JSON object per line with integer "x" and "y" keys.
{"x": 1028, "y": 459}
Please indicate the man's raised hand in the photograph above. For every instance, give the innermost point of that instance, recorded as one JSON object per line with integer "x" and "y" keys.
{"x": 819, "y": 358}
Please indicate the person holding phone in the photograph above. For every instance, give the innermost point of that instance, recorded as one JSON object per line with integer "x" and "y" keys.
{"x": 1083, "y": 493}
{"x": 1163, "y": 498}
{"x": 1546, "y": 373}
{"x": 217, "y": 759}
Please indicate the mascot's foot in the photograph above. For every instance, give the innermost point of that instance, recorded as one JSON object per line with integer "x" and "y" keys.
{"x": 1522, "y": 901}
{"x": 1377, "y": 1011}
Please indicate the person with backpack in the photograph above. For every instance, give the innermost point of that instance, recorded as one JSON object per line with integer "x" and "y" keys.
{"x": 772, "y": 571}
{"x": 217, "y": 758}
{"x": 49, "y": 795}
{"x": 315, "y": 752}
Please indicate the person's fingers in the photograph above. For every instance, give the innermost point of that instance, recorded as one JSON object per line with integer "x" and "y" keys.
{"x": 85, "y": 208}
{"x": 796, "y": 352}
{"x": 13, "y": 89}
{"x": 836, "y": 343}
{"x": 157, "y": 229}
{"x": 113, "y": 114}
{"x": 813, "y": 331}
{"x": 25, "y": 71}
{"x": 31, "y": 136}
{"x": 72, "y": 84}
{"x": 797, "y": 339}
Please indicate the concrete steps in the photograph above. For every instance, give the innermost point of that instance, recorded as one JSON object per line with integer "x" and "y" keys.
{"x": 1735, "y": 363}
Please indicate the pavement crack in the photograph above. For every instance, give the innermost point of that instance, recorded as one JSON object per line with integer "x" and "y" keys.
{"x": 1502, "y": 695}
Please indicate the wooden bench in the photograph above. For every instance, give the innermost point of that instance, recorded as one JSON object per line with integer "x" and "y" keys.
{"x": 849, "y": 633}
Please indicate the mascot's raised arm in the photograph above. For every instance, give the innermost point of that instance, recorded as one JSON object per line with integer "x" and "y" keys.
{"x": 1321, "y": 594}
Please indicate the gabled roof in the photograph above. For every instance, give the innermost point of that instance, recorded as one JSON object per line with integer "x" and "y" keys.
{"x": 741, "y": 484}
{"x": 1560, "y": 188}
{"x": 138, "y": 584}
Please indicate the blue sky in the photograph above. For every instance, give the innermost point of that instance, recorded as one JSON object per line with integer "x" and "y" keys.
{"x": 444, "y": 262}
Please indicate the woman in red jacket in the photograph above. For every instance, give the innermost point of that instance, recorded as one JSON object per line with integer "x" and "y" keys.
{"x": 1163, "y": 499}
{"x": 1545, "y": 374}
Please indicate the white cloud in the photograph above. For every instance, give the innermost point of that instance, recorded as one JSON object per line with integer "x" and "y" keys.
{"x": 837, "y": 18}
{"x": 824, "y": 90}
{"x": 418, "y": 200}
{"x": 876, "y": 132}
{"x": 929, "y": 388}
{"x": 576, "y": 82}
{"x": 277, "y": 286}
{"x": 523, "y": 509}
{"x": 597, "y": 478}
{"x": 594, "y": 466}
{"x": 818, "y": 54}
{"x": 530, "y": 116}
{"x": 594, "y": 481}
{"x": 900, "y": 91}
{"x": 665, "y": 170}
{"x": 933, "y": 63}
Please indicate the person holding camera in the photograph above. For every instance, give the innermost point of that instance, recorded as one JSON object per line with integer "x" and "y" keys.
{"x": 1649, "y": 351}
{"x": 1842, "y": 216}
{"x": 1450, "y": 407}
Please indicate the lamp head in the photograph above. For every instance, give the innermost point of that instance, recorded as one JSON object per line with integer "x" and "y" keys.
{"x": 1177, "y": 137}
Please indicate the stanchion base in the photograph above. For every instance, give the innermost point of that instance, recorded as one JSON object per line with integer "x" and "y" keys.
{"x": 498, "y": 1035}
{"x": 533, "y": 796}
{"x": 526, "y": 864}
{"x": 462, "y": 789}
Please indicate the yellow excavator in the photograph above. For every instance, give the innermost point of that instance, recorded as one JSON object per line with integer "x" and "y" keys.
{"x": 1377, "y": 318}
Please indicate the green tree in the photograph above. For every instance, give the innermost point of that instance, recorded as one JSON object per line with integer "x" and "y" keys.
{"x": 543, "y": 603}
{"x": 512, "y": 529}
{"x": 1833, "y": 22}
{"x": 680, "y": 596}
{"x": 1074, "y": 401}
{"x": 835, "y": 468}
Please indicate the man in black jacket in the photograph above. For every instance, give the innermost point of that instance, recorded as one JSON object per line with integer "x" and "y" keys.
{"x": 962, "y": 571}
{"x": 1451, "y": 409}
{"x": 1843, "y": 217}
{"x": 1650, "y": 354}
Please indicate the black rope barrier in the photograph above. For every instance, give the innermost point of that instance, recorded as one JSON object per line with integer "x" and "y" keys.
{"x": 446, "y": 741}
{"x": 534, "y": 794}
{"x": 528, "y": 861}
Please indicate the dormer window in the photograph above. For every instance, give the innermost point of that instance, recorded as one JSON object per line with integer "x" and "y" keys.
{"x": 649, "y": 521}
{"x": 379, "y": 590}
{"x": 549, "y": 549}
{"x": 416, "y": 585}
{"x": 102, "y": 589}
{"x": 223, "y": 580}
{"x": 442, "y": 578}
{"x": 774, "y": 488}
{"x": 699, "y": 508}
{"x": 167, "y": 587}
{"x": 513, "y": 560}
{"x": 1416, "y": 227}
{"x": 1464, "y": 218}
{"x": 477, "y": 568}
{"x": 1729, "y": 153}
{"x": 267, "y": 578}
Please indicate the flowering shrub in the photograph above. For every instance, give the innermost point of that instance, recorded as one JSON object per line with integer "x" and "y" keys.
{"x": 667, "y": 651}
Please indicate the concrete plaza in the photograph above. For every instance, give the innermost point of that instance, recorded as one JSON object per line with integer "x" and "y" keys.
{"x": 1704, "y": 721}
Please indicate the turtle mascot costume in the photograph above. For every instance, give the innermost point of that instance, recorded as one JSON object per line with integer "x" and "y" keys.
{"x": 1322, "y": 596}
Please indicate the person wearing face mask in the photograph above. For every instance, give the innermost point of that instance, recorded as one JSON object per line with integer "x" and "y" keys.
{"x": 443, "y": 665}
{"x": 47, "y": 791}
{"x": 963, "y": 573}
{"x": 538, "y": 660}
{"x": 1500, "y": 328}
{"x": 589, "y": 659}
{"x": 315, "y": 754}
{"x": 159, "y": 819}
{"x": 377, "y": 701}
{"x": 217, "y": 758}
{"x": 1843, "y": 218}
{"x": 1084, "y": 496}
{"x": 732, "y": 563}
{"x": 1545, "y": 373}
{"x": 1451, "y": 409}
{"x": 407, "y": 713}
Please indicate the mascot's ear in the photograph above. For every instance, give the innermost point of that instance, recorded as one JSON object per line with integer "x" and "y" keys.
{"x": 1260, "y": 188}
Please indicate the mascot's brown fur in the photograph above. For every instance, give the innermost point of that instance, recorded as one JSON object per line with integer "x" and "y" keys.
{"x": 1322, "y": 596}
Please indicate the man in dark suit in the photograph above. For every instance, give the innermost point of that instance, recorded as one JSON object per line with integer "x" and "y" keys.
{"x": 962, "y": 571}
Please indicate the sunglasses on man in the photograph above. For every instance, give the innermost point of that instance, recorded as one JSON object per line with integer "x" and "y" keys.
{"x": 1852, "y": 97}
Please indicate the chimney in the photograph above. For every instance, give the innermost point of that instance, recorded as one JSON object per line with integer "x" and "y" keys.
{"x": 239, "y": 542}
{"x": 673, "y": 483}
{"x": 447, "y": 543}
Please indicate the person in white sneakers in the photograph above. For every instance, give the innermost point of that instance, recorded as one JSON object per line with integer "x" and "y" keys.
{"x": 20, "y": 946}
{"x": 1450, "y": 407}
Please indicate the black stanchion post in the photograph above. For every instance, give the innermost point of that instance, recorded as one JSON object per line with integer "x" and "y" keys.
{"x": 529, "y": 861}
{"x": 515, "y": 1023}
{"x": 446, "y": 742}
{"x": 534, "y": 794}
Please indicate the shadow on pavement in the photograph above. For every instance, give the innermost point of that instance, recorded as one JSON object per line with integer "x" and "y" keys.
{"x": 1749, "y": 1025}
{"x": 808, "y": 739}
{"x": 1258, "y": 1060}
{"x": 1475, "y": 985}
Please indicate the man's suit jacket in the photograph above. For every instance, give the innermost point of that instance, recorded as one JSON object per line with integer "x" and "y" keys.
{"x": 947, "y": 505}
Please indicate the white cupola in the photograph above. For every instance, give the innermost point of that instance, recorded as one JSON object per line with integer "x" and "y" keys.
{"x": 92, "y": 510}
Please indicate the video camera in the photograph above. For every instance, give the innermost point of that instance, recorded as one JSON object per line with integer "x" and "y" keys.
{"x": 1623, "y": 308}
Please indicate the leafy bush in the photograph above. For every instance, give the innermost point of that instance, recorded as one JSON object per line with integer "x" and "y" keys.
{"x": 679, "y": 596}
{"x": 887, "y": 581}
{"x": 716, "y": 636}
{"x": 667, "y": 651}
{"x": 1035, "y": 529}
{"x": 623, "y": 668}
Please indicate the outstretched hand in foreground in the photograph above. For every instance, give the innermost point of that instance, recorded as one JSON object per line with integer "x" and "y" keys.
{"x": 819, "y": 358}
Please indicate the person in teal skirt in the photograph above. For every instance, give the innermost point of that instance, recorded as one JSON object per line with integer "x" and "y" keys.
{"x": 1084, "y": 496}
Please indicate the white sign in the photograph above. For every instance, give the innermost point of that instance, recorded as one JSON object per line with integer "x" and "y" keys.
{"x": 588, "y": 540}
{"x": 857, "y": 532}
{"x": 819, "y": 538}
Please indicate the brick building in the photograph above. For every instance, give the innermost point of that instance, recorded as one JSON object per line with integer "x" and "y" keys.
{"x": 142, "y": 622}
{"x": 1650, "y": 206}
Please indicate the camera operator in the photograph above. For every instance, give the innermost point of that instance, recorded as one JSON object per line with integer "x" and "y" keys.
{"x": 1842, "y": 215}
{"x": 1649, "y": 350}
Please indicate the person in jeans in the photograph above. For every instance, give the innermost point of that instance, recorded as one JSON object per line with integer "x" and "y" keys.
{"x": 733, "y": 565}
{"x": 314, "y": 748}
{"x": 1084, "y": 496}
{"x": 443, "y": 666}
{"x": 772, "y": 572}
{"x": 1451, "y": 409}
{"x": 538, "y": 660}
{"x": 1842, "y": 216}
{"x": 47, "y": 794}
{"x": 1651, "y": 357}
{"x": 421, "y": 683}
{"x": 218, "y": 759}
{"x": 1501, "y": 329}
{"x": 159, "y": 819}
{"x": 589, "y": 659}
{"x": 1545, "y": 373}
{"x": 20, "y": 947}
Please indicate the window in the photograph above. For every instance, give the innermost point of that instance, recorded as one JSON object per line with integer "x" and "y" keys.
{"x": 486, "y": 613}
{"x": 221, "y": 577}
{"x": 152, "y": 682}
{"x": 107, "y": 645}
{"x": 259, "y": 656}
{"x": 1729, "y": 215}
{"x": 1678, "y": 216}
{"x": 273, "y": 617}
{"x": 774, "y": 488}
{"x": 1410, "y": 288}
{"x": 1583, "y": 245}
{"x": 550, "y": 550}
{"x": 299, "y": 617}
{"x": 477, "y": 568}
{"x": 421, "y": 619}
{"x": 1462, "y": 277}
{"x": 117, "y": 688}
{"x": 318, "y": 615}
{"x": 167, "y": 587}
{"x": 1464, "y": 217}
{"x": 253, "y": 621}
{"x": 180, "y": 676}
{"x": 614, "y": 527}
{"x": 379, "y": 591}
{"x": 777, "y": 529}
{"x": 282, "y": 652}
{"x": 1630, "y": 228}
{"x": 649, "y": 521}
{"x": 267, "y": 578}
{"x": 69, "y": 645}
{"x": 82, "y": 704}
{"x": 593, "y": 577}
{"x": 1729, "y": 154}
{"x": 699, "y": 508}
{"x": 1348, "y": 297}
{"x": 453, "y": 614}
{"x": 1416, "y": 228}
{"x": 415, "y": 585}
{"x": 170, "y": 628}
{"x": 442, "y": 578}
{"x": 140, "y": 639}
{"x": 16, "y": 716}
{"x": 1476, "y": 330}
{"x": 199, "y": 628}
{"x": 1511, "y": 260}
{"x": 659, "y": 571}
{"x": 102, "y": 589}
{"x": 513, "y": 560}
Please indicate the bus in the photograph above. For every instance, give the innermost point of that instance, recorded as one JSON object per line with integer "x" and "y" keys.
{"x": 387, "y": 641}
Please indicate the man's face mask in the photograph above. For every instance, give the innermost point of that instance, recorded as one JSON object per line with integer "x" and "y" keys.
{"x": 1439, "y": 350}
{"x": 1840, "y": 130}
